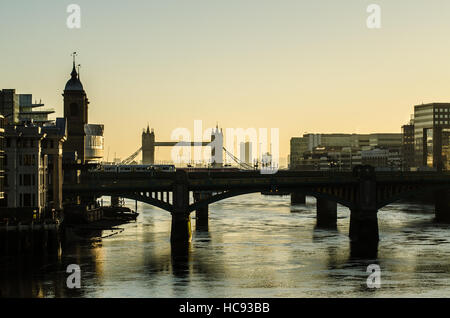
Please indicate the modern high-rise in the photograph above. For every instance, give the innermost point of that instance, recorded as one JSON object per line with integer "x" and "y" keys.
{"x": 20, "y": 107}
{"x": 432, "y": 135}
{"x": 408, "y": 160}
{"x": 2, "y": 157}
{"x": 30, "y": 111}
{"x": 9, "y": 105}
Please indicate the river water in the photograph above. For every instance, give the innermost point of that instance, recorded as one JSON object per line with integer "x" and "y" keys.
{"x": 257, "y": 246}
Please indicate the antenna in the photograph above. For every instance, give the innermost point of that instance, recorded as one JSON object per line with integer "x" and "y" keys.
{"x": 79, "y": 66}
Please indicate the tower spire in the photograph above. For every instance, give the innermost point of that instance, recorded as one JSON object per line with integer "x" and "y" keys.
{"x": 74, "y": 71}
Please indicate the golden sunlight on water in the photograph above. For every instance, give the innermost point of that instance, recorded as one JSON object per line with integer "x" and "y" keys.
{"x": 256, "y": 246}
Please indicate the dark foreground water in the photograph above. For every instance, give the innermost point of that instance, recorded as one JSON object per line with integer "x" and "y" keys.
{"x": 257, "y": 246}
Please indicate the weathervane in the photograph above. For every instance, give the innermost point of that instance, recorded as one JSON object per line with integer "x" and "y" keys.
{"x": 74, "y": 54}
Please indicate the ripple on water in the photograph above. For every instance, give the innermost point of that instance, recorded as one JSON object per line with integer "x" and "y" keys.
{"x": 255, "y": 247}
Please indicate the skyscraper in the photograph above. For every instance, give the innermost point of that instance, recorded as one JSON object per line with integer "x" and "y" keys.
{"x": 432, "y": 135}
{"x": 9, "y": 105}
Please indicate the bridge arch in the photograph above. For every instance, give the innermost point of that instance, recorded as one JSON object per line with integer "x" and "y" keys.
{"x": 409, "y": 193}
{"x": 148, "y": 199}
{"x": 233, "y": 193}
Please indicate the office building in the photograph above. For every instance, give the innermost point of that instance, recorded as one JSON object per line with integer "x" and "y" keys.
{"x": 408, "y": 160}
{"x": 29, "y": 111}
{"x": 344, "y": 151}
{"x": 9, "y": 105}
{"x": 432, "y": 135}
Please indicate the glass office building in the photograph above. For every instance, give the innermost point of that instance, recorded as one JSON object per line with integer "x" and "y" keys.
{"x": 432, "y": 135}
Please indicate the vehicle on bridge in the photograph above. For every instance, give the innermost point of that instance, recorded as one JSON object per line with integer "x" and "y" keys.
{"x": 133, "y": 168}
{"x": 210, "y": 169}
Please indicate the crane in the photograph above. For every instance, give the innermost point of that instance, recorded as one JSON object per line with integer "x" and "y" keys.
{"x": 130, "y": 159}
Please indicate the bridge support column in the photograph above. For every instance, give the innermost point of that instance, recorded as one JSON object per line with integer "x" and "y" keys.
{"x": 115, "y": 201}
{"x": 202, "y": 213}
{"x": 326, "y": 213}
{"x": 181, "y": 223}
{"x": 442, "y": 206}
{"x": 298, "y": 198}
{"x": 181, "y": 229}
{"x": 363, "y": 231}
{"x": 364, "y": 225}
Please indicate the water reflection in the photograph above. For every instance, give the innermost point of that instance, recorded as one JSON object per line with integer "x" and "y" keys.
{"x": 254, "y": 247}
{"x": 363, "y": 250}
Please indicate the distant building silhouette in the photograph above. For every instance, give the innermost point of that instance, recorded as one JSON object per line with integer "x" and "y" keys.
{"x": 76, "y": 112}
{"x": 148, "y": 146}
{"x": 344, "y": 151}
{"x": 408, "y": 159}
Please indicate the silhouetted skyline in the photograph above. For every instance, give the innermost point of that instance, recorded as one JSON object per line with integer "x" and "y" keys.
{"x": 302, "y": 66}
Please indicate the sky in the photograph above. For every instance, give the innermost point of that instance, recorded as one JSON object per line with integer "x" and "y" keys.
{"x": 300, "y": 66}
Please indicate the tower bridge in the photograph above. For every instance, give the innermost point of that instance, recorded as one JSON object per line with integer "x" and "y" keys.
{"x": 363, "y": 191}
{"x": 149, "y": 144}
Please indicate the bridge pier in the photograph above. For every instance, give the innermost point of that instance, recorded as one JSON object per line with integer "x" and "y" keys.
{"x": 181, "y": 229}
{"x": 442, "y": 206}
{"x": 181, "y": 232}
{"x": 326, "y": 213}
{"x": 364, "y": 235}
{"x": 364, "y": 225}
{"x": 363, "y": 232}
{"x": 298, "y": 198}
{"x": 202, "y": 213}
{"x": 115, "y": 201}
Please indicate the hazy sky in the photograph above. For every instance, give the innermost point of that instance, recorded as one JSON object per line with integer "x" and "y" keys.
{"x": 301, "y": 66}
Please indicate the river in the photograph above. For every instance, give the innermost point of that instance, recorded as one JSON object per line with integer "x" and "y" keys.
{"x": 256, "y": 246}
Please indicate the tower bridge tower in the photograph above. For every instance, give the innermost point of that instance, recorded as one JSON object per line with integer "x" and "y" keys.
{"x": 148, "y": 146}
{"x": 217, "y": 148}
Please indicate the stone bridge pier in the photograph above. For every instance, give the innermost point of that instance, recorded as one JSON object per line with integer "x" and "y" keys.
{"x": 202, "y": 213}
{"x": 442, "y": 205}
{"x": 363, "y": 231}
{"x": 326, "y": 213}
{"x": 298, "y": 198}
{"x": 181, "y": 223}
